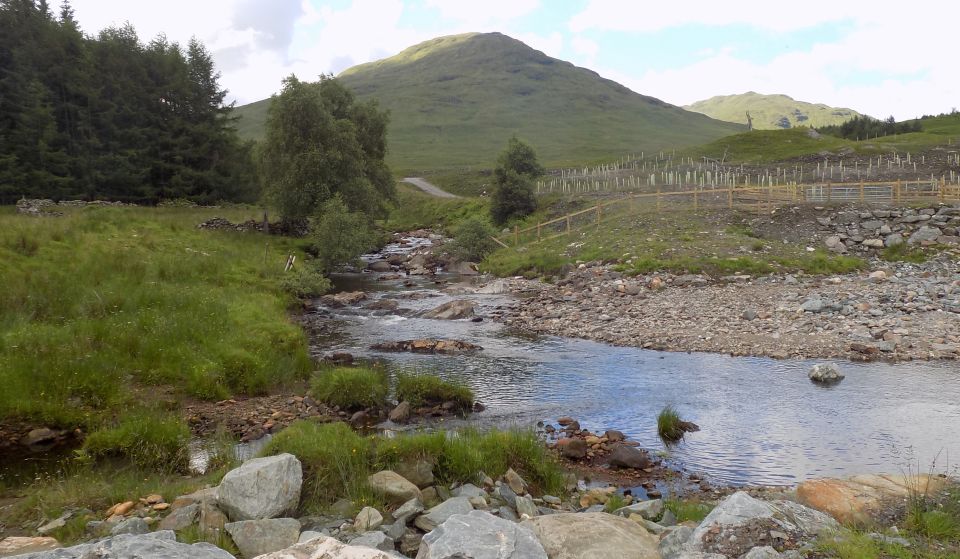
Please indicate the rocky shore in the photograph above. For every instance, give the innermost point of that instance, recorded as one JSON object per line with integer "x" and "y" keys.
{"x": 896, "y": 311}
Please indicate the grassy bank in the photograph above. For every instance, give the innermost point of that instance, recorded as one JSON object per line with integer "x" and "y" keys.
{"x": 709, "y": 242}
{"x": 102, "y": 304}
{"x": 415, "y": 210}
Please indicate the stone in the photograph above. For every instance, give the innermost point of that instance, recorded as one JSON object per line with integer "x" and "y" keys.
{"x": 924, "y": 234}
{"x": 668, "y": 519}
{"x": 180, "y": 518}
{"x": 574, "y": 449}
{"x": 309, "y": 535}
{"x": 463, "y": 268}
{"x": 763, "y": 552}
{"x": 454, "y": 310}
{"x": 406, "y": 511}
{"x": 376, "y": 540}
{"x": 525, "y": 506}
{"x": 212, "y": 519}
{"x": 401, "y": 413}
{"x": 672, "y": 544}
{"x": 440, "y": 513}
{"x": 394, "y": 487}
{"x": 135, "y": 525}
{"x": 325, "y": 547}
{"x": 893, "y": 240}
{"x": 628, "y": 457}
{"x": 835, "y": 244}
{"x": 588, "y": 535}
{"x": 812, "y": 305}
{"x": 155, "y": 545}
{"x": 367, "y": 519}
{"x": 647, "y": 509}
{"x": 825, "y": 373}
{"x": 614, "y": 436}
{"x": 516, "y": 483}
{"x": 480, "y": 535}
{"x": 418, "y": 472}
{"x": 877, "y": 276}
{"x": 17, "y": 545}
{"x": 379, "y": 266}
{"x": 873, "y": 243}
{"x": 256, "y": 537}
{"x": 262, "y": 488}
{"x": 507, "y": 495}
{"x": 871, "y": 225}
{"x": 55, "y": 524}
{"x": 856, "y": 499}
{"x": 469, "y": 490}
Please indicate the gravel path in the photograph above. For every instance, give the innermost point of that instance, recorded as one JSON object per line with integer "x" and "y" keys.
{"x": 429, "y": 188}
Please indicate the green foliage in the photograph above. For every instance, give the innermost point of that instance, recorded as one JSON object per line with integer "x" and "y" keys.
{"x": 473, "y": 240}
{"x": 440, "y": 117}
{"x": 902, "y": 252}
{"x": 351, "y": 388}
{"x": 424, "y": 390}
{"x": 112, "y": 117}
{"x": 305, "y": 281}
{"x": 693, "y": 511}
{"x": 517, "y": 169}
{"x": 764, "y": 146}
{"x": 614, "y": 502}
{"x": 669, "y": 424}
{"x": 149, "y": 439}
{"x": 865, "y": 127}
{"x": 336, "y": 462}
{"x": 530, "y": 264}
{"x": 770, "y": 112}
{"x": 320, "y": 142}
{"x": 821, "y": 263}
{"x": 416, "y": 210}
{"x": 111, "y": 300}
{"x": 340, "y": 236}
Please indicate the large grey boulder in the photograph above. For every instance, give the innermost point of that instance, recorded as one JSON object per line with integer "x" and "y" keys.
{"x": 671, "y": 545}
{"x": 742, "y": 516}
{"x": 825, "y": 373}
{"x": 480, "y": 535}
{"x": 135, "y": 525}
{"x": 396, "y": 488}
{"x": 376, "y": 540}
{"x": 256, "y": 537}
{"x": 155, "y": 545}
{"x": 647, "y": 509}
{"x": 925, "y": 233}
{"x": 594, "y": 534}
{"x": 453, "y": 310}
{"x": 628, "y": 457}
{"x": 440, "y": 513}
{"x": 180, "y": 518}
{"x": 262, "y": 488}
{"x": 328, "y": 548}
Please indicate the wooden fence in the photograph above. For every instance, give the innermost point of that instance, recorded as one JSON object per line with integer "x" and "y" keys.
{"x": 751, "y": 198}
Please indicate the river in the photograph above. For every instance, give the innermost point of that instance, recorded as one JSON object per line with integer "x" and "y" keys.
{"x": 762, "y": 421}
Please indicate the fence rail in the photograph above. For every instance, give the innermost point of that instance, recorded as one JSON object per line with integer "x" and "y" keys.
{"x": 753, "y": 198}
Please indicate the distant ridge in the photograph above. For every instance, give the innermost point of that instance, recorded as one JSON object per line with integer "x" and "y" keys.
{"x": 455, "y": 101}
{"x": 771, "y": 112}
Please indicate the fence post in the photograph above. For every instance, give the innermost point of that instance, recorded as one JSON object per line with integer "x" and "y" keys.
{"x": 829, "y": 192}
{"x": 943, "y": 185}
{"x": 658, "y": 198}
{"x": 861, "y": 192}
{"x": 516, "y": 235}
{"x": 730, "y": 197}
{"x": 897, "y": 192}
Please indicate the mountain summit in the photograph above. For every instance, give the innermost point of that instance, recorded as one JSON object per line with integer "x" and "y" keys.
{"x": 771, "y": 112}
{"x": 456, "y": 100}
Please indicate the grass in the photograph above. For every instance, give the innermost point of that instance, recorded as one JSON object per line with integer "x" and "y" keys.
{"x": 454, "y": 101}
{"x": 430, "y": 390}
{"x": 351, "y": 388}
{"x": 693, "y": 511}
{"x": 768, "y": 110}
{"x": 148, "y": 439}
{"x": 104, "y": 303}
{"x": 614, "y": 502}
{"x": 417, "y": 210}
{"x": 337, "y": 461}
{"x": 669, "y": 424}
{"x": 903, "y": 252}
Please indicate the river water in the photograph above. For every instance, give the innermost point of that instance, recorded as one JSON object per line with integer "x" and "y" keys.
{"x": 762, "y": 421}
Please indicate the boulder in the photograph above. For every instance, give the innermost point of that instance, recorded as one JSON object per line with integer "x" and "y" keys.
{"x": 155, "y": 545}
{"x": 672, "y": 544}
{"x": 379, "y": 266}
{"x": 262, "y": 488}
{"x": 763, "y": 552}
{"x": 401, "y": 413}
{"x": 524, "y": 505}
{"x": 856, "y": 499}
{"x": 628, "y": 457}
{"x": 825, "y": 373}
{"x": 376, "y": 540}
{"x": 924, "y": 234}
{"x": 325, "y": 547}
{"x": 256, "y": 537}
{"x": 440, "y": 513}
{"x": 893, "y": 240}
{"x": 367, "y": 519}
{"x": 516, "y": 483}
{"x": 16, "y": 545}
{"x": 419, "y": 472}
{"x": 463, "y": 268}
{"x": 394, "y": 487}
{"x": 454, "y": 310}
{"x": 574, "y": 449}
{"x": 497, "y": 287}
{"x": 180, "y": 518}
{"x": 592, "y": 535}
{"x": 732, "y": 527}
{"x": 480, "y": 535}
{"x": 135, "y": 525}
{"x": 407, "y": 510}
{"x": 647, "y": 509}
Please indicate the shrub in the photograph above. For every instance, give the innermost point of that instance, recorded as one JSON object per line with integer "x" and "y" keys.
{"x": 422, "y": 390}
{"x": 149, "y": 439}
{"x": 473, "y": 240}
{"x": 669, "y": 424}
{"x": 512, "y": 198}
{"x": 336, "y": 462}
{"x": 340, "y": 236}
{"x": 305, "y": 281}
{"x": 350, "y": 388}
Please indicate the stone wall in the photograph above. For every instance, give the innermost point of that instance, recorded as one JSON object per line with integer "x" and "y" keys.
{"x": 858, "y": 230}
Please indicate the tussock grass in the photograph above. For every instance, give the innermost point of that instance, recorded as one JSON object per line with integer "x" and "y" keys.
{"x": 423, "y": 390}
{"x": 351, "y": 388}
{"x": 150, "y": 440}
{"x": 103, "y": 300}
{"x": 688, "y": 510}
{"x": 669, "y": 424}
{"x": 903, "y": 253}
{"x": 415, "y": 209}
{"x": 614, "y": 502}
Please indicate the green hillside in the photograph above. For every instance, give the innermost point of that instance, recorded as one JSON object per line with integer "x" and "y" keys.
{"x": 456, "y": 100}
{"x": 770, "y": 112}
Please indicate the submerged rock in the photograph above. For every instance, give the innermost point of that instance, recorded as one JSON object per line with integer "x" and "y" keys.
{"x": 825, "y": 373}
{"x": 454, "y": 310}
{"x": 427, "y": 345}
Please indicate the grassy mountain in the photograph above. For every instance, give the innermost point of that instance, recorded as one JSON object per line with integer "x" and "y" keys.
{"x": 770, "y": 112}
{"x": 456, "y": 100}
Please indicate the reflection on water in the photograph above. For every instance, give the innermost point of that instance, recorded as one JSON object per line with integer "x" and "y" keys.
{"x": 762, "y": 421}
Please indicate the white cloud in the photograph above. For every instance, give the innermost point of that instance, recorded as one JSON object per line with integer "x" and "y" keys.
{"x": 586, "y": 49}
{"x": 485, "y": 12}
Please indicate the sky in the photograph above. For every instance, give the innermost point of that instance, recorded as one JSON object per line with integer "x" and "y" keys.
{"x": 879, "y": 58}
